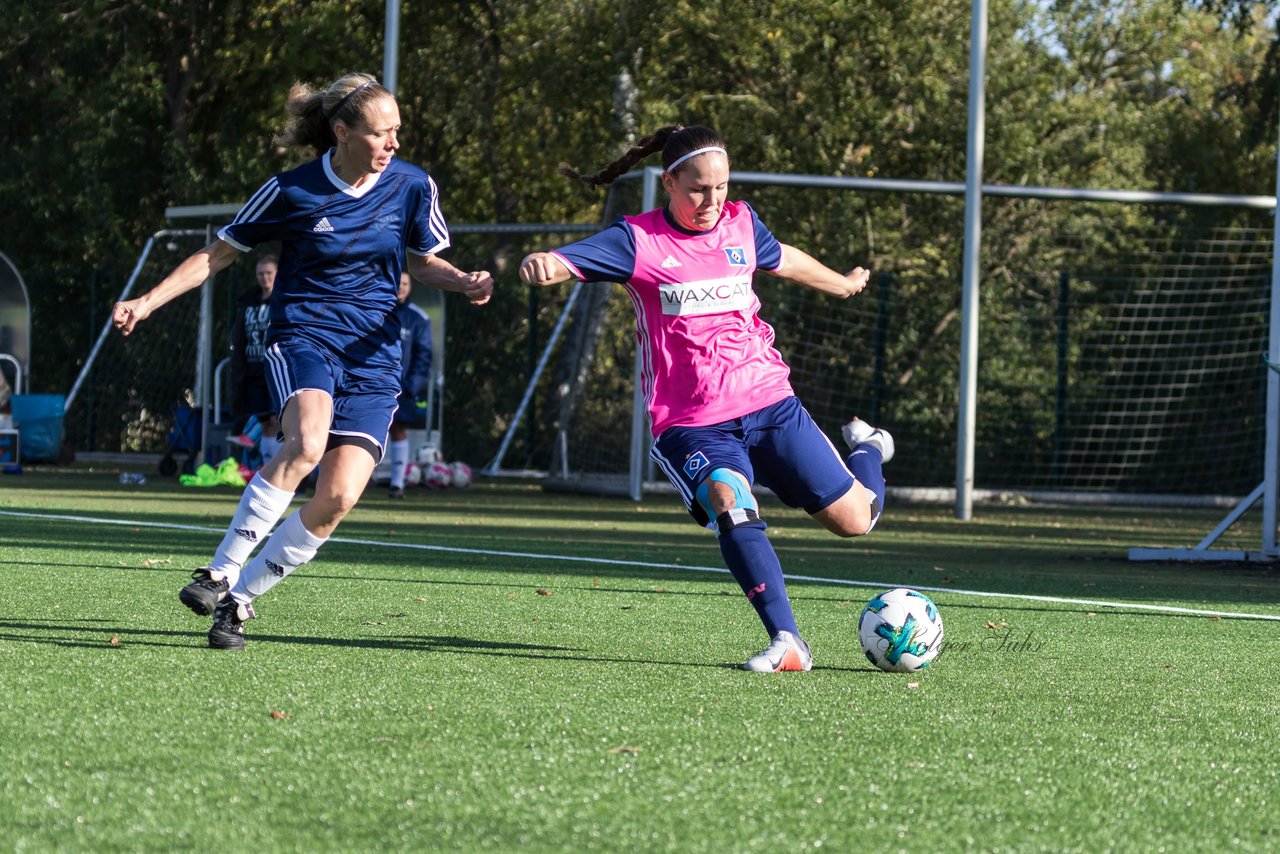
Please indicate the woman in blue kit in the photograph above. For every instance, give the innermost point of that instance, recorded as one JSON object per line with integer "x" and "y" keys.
{"x": 346, "y": 221}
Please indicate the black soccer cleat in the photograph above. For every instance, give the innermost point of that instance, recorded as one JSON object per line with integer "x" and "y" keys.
{"x": 203, "y": 594}
{"x": 228, "y": 625}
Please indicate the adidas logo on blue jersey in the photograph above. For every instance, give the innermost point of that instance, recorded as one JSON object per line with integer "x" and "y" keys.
{"x": 322, "y": 225}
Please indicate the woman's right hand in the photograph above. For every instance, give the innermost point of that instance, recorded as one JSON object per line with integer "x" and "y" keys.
{"x": 129, "y": 314}
{"x": 542, "y": 268}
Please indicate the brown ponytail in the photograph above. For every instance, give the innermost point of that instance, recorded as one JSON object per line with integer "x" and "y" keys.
{"x": 674, "y": 141}
{"x": 312, "y": 112}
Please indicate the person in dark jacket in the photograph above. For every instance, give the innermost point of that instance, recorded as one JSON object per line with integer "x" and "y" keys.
{"x": 250, "y": 399}
{"x": 415, "y": 380}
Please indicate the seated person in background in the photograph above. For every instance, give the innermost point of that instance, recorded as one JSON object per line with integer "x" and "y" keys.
{"x": 415, "y": 380}
{"x": 250, "y": 400}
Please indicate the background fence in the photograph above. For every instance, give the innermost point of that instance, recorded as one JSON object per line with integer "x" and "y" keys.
{"x": 1120, "y": 345}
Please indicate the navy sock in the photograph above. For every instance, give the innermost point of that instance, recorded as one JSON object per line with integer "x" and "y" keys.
{"x": 754, "y": 564}
{"x": 864, "y": 464}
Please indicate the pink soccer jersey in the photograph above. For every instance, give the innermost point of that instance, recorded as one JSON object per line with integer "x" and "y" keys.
{"x": 706, "y": 355}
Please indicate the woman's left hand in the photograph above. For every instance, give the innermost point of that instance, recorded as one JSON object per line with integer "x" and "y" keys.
{"x": 857, "y": 278}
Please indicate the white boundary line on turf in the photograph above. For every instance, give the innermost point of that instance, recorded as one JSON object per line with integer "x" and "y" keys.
{"x": 842, "y": 582}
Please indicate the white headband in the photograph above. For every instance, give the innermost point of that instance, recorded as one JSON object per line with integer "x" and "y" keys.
{"x": 694, "y": 153}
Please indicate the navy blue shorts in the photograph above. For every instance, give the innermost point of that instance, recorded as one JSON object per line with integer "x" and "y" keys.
{"x": 364, "y": 398}
{"x": 779, "y": 447}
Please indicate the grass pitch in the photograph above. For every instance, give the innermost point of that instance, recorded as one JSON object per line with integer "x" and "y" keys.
{"x": 501, "y": 669}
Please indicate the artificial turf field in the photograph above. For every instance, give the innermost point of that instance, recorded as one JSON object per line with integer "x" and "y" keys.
{"x": 559, "y": 673}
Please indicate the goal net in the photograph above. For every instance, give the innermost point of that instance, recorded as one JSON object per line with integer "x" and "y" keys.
{"x": 1120, "y": 346}
{"x": 140, "y": 394}
{"x": 145, "y": 394}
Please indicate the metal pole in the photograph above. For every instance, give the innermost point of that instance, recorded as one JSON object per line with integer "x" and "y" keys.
{"x": 639, "y": 415}
{"x": 391, "y": 48}
{"x": 967, "y": 414}
{"x": 204, "y": 360}
{"x": 1272, "y": 452}
{"x": 884, "y": 282}
{"x": 531, "y": 352}
{"x": 1061, "y": 389}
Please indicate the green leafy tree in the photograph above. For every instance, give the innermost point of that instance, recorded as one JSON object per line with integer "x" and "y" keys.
{"x": 119, "y": 108}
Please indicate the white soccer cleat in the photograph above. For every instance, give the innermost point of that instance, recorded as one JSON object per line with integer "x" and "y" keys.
{"x": 786, "y": 652}
{"x": 858, "y": 432}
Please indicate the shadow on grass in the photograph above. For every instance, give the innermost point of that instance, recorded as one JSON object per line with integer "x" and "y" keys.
{"x": 164, "y": 565}
{"x": 858, "y": 595}
{"x": 43, "y": 631}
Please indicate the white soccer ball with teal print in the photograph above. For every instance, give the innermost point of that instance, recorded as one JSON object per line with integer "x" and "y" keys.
{"x": 900, "y": 630}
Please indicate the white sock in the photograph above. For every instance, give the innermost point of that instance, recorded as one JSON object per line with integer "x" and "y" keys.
{"x": 399, "y": 461}
{"x": 260, "y": 507}
{"x": 288, "y": 548}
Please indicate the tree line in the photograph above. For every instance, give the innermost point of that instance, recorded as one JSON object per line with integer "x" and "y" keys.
{"x": 117, "y": 109}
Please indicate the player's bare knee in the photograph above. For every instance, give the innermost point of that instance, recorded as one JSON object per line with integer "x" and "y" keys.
{"x": 306, "y": 450}
{"x": 858, "y": 528}
{"x": 850, "y": 517}
{"x": 292, "y": 460}
{"x": 315, "y": 446}
{"x": 717, "y": 498}
{"x": 330, "y": 506}
{"x": 723, "y": 490}
{"x": 342, "y": 502}
{"x": 845, "y": 529}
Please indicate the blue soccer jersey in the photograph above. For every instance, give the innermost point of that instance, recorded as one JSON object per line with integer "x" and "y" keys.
{"x": 343, "y": 249}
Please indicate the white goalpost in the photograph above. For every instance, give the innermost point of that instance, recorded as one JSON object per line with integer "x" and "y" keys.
{"x": 1266, "y": 490}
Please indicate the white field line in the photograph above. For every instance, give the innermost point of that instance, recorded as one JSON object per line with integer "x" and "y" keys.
{"x": 843, "y": 582}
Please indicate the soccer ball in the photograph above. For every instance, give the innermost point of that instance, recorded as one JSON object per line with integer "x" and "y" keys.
{"x": 412, "y": 474}
{"x": 461, "y": 474}
{"x": 426, "y": 455}
{"x": 437, "y": 475}
{"x": 900, "y": 630}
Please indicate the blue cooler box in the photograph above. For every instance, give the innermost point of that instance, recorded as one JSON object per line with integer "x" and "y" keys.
{"x": 39, "y": 420}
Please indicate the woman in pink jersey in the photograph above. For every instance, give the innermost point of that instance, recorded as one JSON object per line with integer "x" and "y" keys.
{"x": 720, "y": 401}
